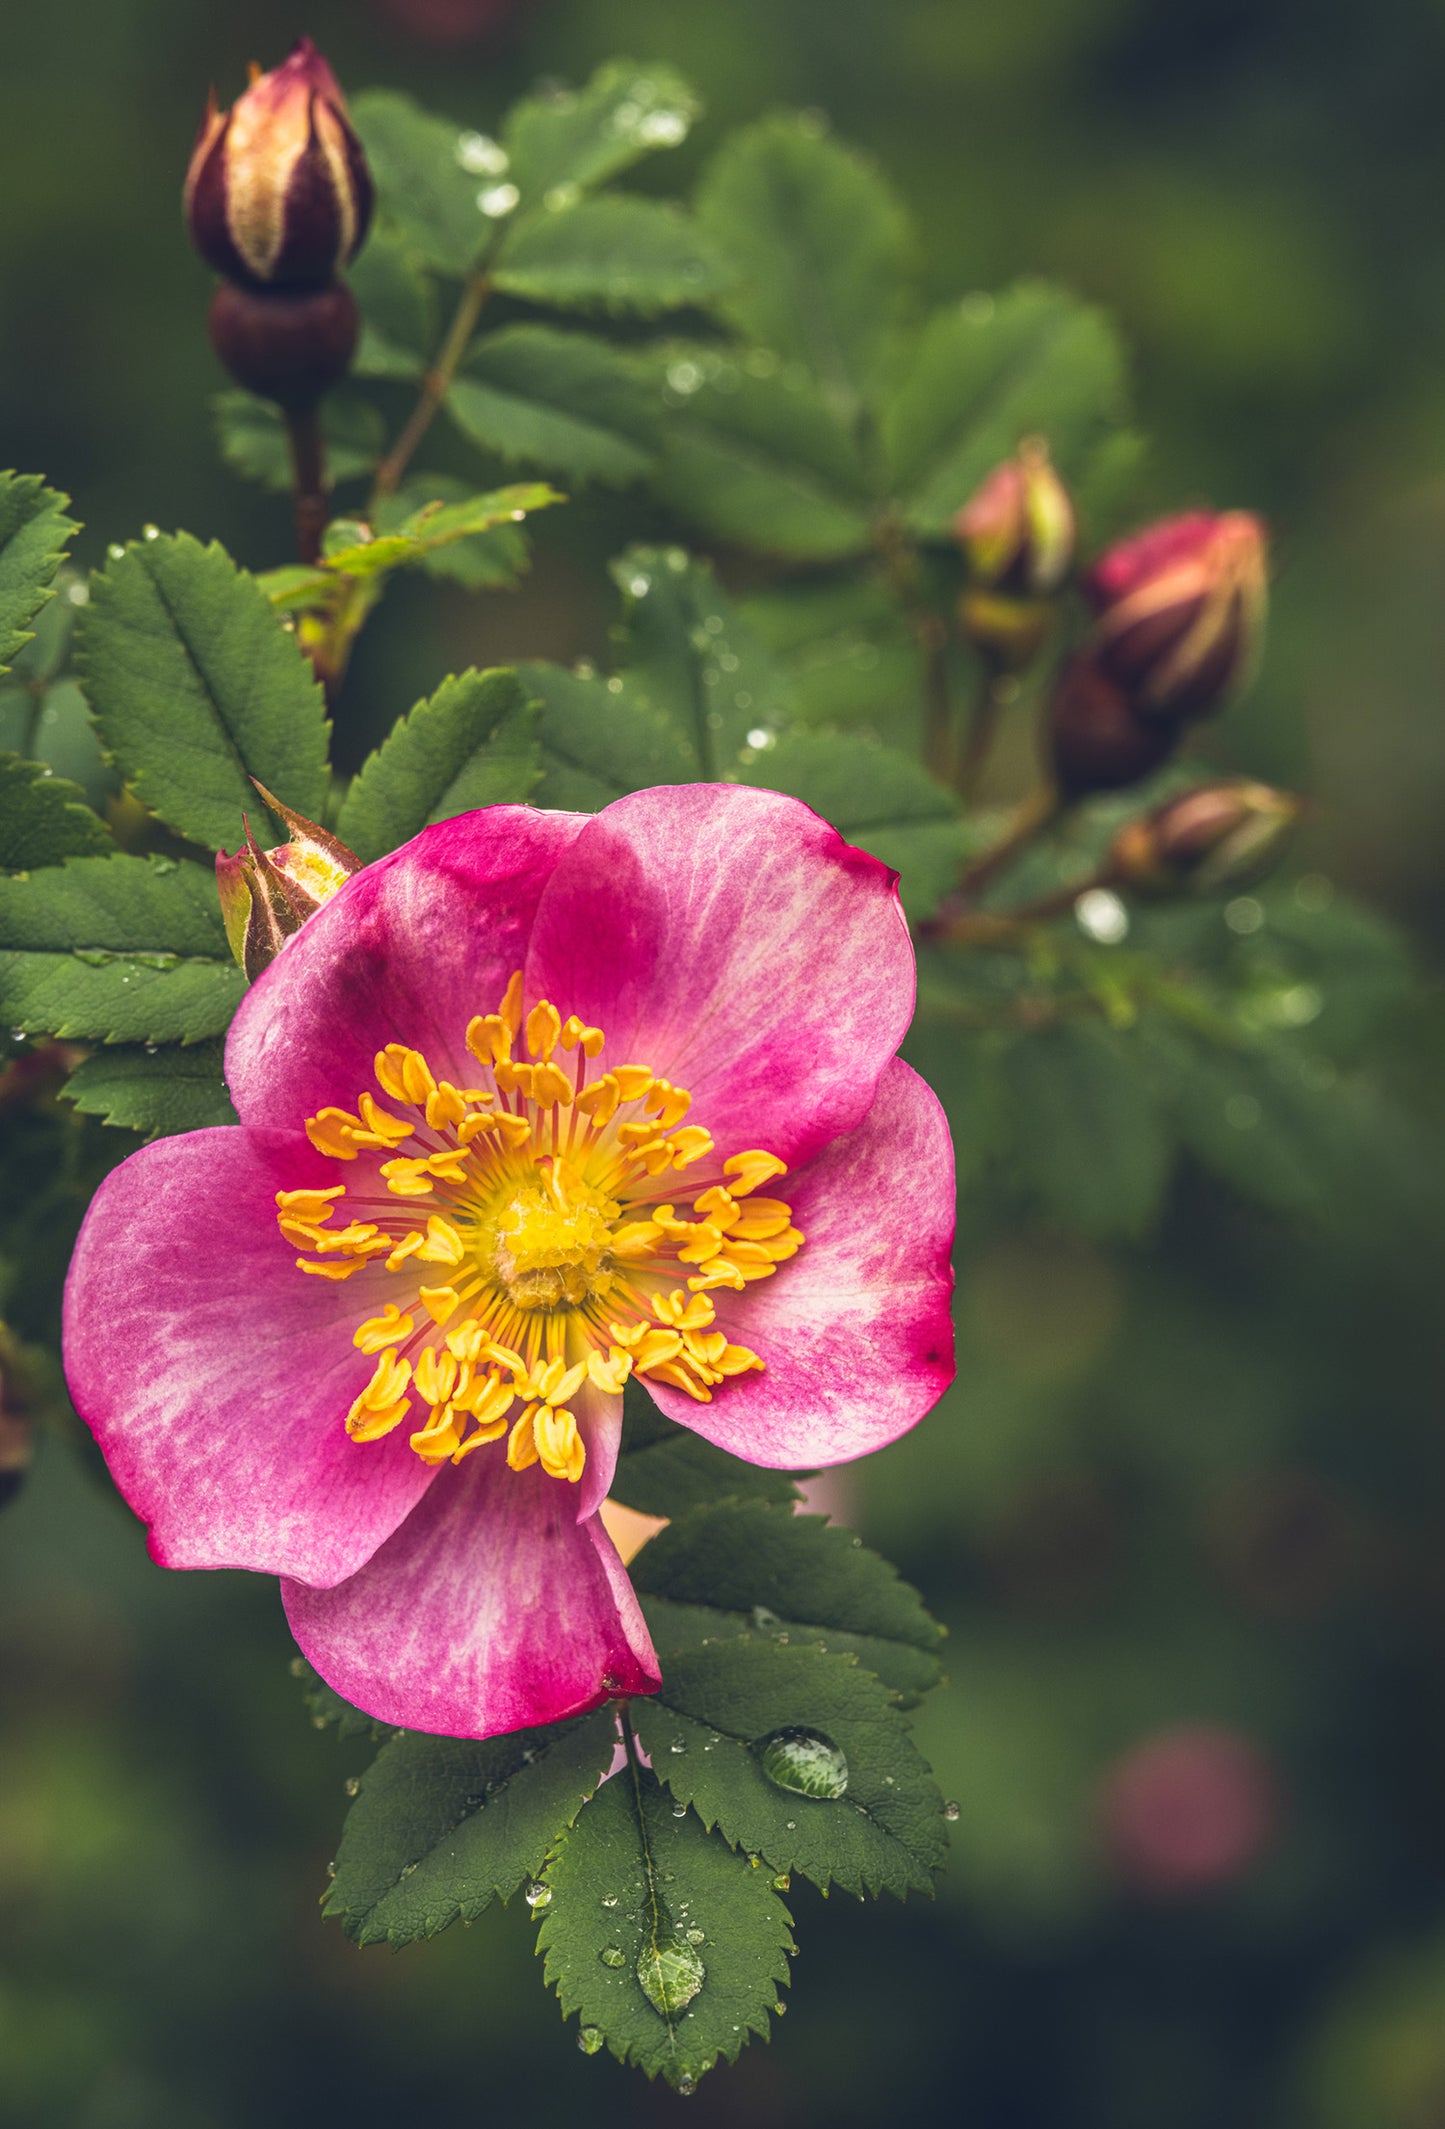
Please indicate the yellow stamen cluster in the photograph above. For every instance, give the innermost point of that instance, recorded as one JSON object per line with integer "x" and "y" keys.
{"x": 540, "y": 1262}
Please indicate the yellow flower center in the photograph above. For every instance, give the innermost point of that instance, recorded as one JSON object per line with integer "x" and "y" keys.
{"x": 535, "y": 1202}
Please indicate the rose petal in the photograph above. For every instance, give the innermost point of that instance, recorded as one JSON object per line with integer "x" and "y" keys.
{"x": 855, "y": 1330}
{"x": 407, "y": 951}
{"x": 733, "y": 941}
{"x": 491, "y": 1609}
{"x": 599, "y": 1421}
{"x": 215, "y": 1376}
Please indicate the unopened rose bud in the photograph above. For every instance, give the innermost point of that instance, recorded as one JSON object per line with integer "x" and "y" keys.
{"x": 1096, "y": 739}
{"x": 1181, "y": 609}
{"x": 267, "y": 895}
{"x": 278, "y": 194}
{"x": 1221, "y": 835}
{"x": 1017, "y": 531}
{"x": 285, "y": 344}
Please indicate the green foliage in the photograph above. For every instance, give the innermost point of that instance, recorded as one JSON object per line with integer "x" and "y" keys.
{"x": 197, "y": 688}
{"x": 471, "y": 744}
{"x": 252, "y": 437}
{"x": 1085, "y": 1133}
{"x": 708, "y": 1732}
{"x": 481, "y": 561}
{"x": 663, "y": 1469}
{"x": 560, "y": 400}
{"x": 176, "y": 1089}
{"x": 43, "y": 818}
{"x": 34, "y": 534}
{"x": 598, "y": 741}
{"x": 398, "y": 307}
{"x": 746, "y": 1564}
{"x": 681, "y": 1955}
{"x": 615, "y": 254}
{"x": 425, "y": 192}
{"x": 116, "y": 949}
{"x": 577, "y": 139}
{"x": 430, "y": 528}
{"x": 442, "y": 1826}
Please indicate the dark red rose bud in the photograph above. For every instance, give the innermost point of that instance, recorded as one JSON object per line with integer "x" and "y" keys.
{"x": 1221, "y": 835}
{"x": 1017, "y": 531}
{"x": 1189, "y": 1809}
{"x": 278, "y": 194}
{"x": 288, "y": 346}
{"x": 1181, "y": 609}
{"x": 1096, "y": 739}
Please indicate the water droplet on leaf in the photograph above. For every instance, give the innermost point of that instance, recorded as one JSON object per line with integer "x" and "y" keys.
{"x": 352, "y": 1785}
{"x": 950, "y": 1810}
{"x": 538, "y": 1896}
{"x": 589, "y": 2039}
{"x": 611, "y": 1955}
{"x": 670, "y": 1974}
{"x": 805, "y": 1762}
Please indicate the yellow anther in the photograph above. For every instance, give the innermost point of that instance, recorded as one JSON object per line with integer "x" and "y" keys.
{"x": 601, "y": 1100}
{"x": 736, "y": 1360}
{"x": 718, "y": 1271}
{"x": 489, "y": 1400}
{"x": 440, "y": 1302}
{"x": 334, "y": 1132}
{"x": 681, "y": 1378}
{"x": 360, "y": 1239}
{"x": 329, "y": 1271}
{"x": 554, "y": 1382}
{"x": 522, "y": 1442}
{"x": 474, "y": 1125}
{"x": 610, "y": 1371}
{"x": 510, "y": 1009}
{"x": 406, "y": 1247}
{"x": 633, "y": 1081}
{"x": 443, "y": 1245}
{"x": 551, "y": 1084}
{"x": 365, "y": 1424}
{"x": 683, "y": 1312}
{"x": 490, "y": 1432}
{"x": 408, "y": 1178}
{"x": 383, "y": 1403}
{"x": 391, "y": 1130}
{"x": 302, "y": 1234}
{"x": 717, "y": 1205}
{"x": 445, "y": 1106}
{"x": 389, "y": 1328}
{"x": 544, "y": 1026}
{"x": 489, "y": 1038}
{"x": 690, "y": 1144}
{"x": 646, "y": 1346}
{"x": 436, "y": 1376}
{"x": 450, "y": 1165}
{"x": 575, "y": 1031}
{"x": 704, "y": 1242}
{"x": 760, "y": 1219}
{"x": 468, "y": 1342}
{"x": 669, "y": 1104}
{"x": 638, "y": 1134}
{"x": 747, "y": 1171}
{"x": 404, "y": 1074}
{"x": 440, "y": 1438}
{"x": 559, "y": 1445}
{"x": 514, "y": 1131}
{"x": 309, "y": 1204}
{"x": 639, "y": 1239}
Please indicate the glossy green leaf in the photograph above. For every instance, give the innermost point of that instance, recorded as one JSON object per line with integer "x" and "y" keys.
{"x": 599, "y": 741}
{"x": 664, "y": 1469}
{"x": 34, "y": 534}
{"x": 725, "y": 1703}
{"x": 43, "y": 818}
{"x": 822, "y": 252}
{"x": 197, "y": 688}
{"x": 425, "y": 190}
{"x": 637, "y": 1896}
{"x": 492, "y": 560}
{"x": 561, "y": 401}
{"x": 743, "y": 1564}
{"x": 566, "y": 141}
{"x": 848, "y": 652}
{"x": 470, "y": 744}
{"x": 431, "y": 528}
{"x": 1086, "y": 1134}
{"x": 442, "y": 1826}
{"x": 398, "y": 308}
{"x": 615, "y": 254}
{"x": 158, "y": 1093}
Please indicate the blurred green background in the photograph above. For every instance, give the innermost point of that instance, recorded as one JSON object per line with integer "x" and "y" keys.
{"x": 1185, "y": 1513}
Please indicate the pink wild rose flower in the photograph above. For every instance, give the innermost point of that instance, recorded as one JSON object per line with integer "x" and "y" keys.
{"x": 538, "y": 1102}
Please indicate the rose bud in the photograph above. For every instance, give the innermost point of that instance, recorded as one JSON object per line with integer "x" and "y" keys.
{"x": 1221, "y": 835}
{"x": 290, "y": 345}
{"x": 1181, "y": 609}
{"x": 267, "y": 895}
{"x": 278, "y": 194}
{"x": 1096, "y": 739}
{"x": 1017, "y": 531}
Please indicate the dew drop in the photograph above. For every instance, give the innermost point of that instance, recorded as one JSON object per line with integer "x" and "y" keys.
{"x": 497, "y": 200}
{"x": 561, "y": 197}
{"x": 589, "y": 2039}
{"x": 538, "y": 1896}
{"x": 116, "y": 551}
{"x": 481, "y": 156}
{"x": 804, "y": 1762}
{"x": 670, "y": 1974}
{"x": 331, "y": 1870}
{"x": 778, "y": 2009}
{"x": 694, "y": 1936}
{"x": 950, "y": 1810}
{"x": 612, "y": 1955}
{"x": 679, "y": 1744}
{"x": 685, "y": 2087}
{"x": 408, "y": 1870}
{"x": 609, "y": 1899}
{"x": 763, "y": 1619}
{"x": 781, "y": 1882}
{"x": 679, "y": 1811}
{"x": 352, "y": 1785}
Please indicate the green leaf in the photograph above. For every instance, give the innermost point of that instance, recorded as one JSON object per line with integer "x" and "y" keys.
{"x": 252, "y": 437}
{"x": 34, "y": 532}
{"x": 398, "y": 308}
{"x": 614, "y": 254}
{"x": 744, "y": 1564}
{"x": 329, "y": 1711}
{"x": 571, "y": 140}
{"x": 823, "y": 254}
{"x": 688, "y": 654}
{"x": 43, "y": 818}
{"x": 482, "y": 561}
{"x": 1087, "y": 1136}
{"x": 1249, "y": 1115}
{"x": 664, "y": 1469}
{"x": 640, "y": 1897}
{"x": 847, "y": 650}
{"x": 160, "y": 1094}
{"x": 877, "y": 797}
{"x": 425, "y": 192}
{"x": 598, "y": 741}
{"x": 727, "y": 1702}
{"x": 116, "y": 949}
{"x": 444, "y": 1825}
{"x": 196, "y": 688}
{"x": 752, "y": 451}
{"x": 986, "y": 373}
{"x": 563, "y": 401}
{"x": 428, "y": 530}
{"x": 471, "y": 744}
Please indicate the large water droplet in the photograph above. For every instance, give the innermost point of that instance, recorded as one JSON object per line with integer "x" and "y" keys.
{"x": 538, "y": 1896}
{"x": 670, "y": 1974}
{"x": 763, "y": 1619}
{"x": 610, "y": 1955}
{"x": 805, "y": 1762}
{"x": 685, "y": 2087}
{"x": 352, "y": 1785}
{"x": 589, "y": 2039}
{"x": 950, "y": 1810}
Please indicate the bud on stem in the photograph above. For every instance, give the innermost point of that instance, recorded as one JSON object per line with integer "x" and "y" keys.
{"x": 1017, "y": 534}
{"x": 267, "y": 895}
{"x": 1181, "y": 609}
{"x": 1221, "y": 835}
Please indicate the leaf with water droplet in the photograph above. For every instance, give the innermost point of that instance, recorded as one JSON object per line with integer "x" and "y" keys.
{"x": 589, "y": 2039}
{"x": 806, "y": 1762}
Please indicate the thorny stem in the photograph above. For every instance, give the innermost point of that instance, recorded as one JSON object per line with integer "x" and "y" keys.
{"x": 308, "y": 470}
{"x": 434, "y": 386}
